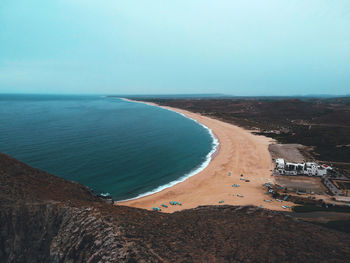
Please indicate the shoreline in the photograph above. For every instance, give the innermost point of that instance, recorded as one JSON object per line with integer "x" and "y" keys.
{"x": 238, "y": 152}
{"x": 213, "y": 152}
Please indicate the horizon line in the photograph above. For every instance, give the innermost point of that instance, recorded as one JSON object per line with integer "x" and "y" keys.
{"x": 174, "y": 94}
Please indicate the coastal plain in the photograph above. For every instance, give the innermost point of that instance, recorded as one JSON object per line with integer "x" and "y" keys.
{"x": 240, "y": 156}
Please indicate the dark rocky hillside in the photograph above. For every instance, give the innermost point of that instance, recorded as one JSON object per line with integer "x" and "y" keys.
{"x": 44, "y": 218}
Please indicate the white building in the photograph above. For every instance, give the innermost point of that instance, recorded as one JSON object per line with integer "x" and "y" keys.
{"x": 321, "y": 171}
{"x": 308, "y": 168}
{"x": 280, "y": 163}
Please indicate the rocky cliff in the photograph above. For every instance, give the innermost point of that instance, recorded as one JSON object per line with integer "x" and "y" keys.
{"x": 44, "y": 218}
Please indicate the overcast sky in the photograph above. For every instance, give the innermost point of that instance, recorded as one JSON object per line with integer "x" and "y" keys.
{"x": 270, "y": 47}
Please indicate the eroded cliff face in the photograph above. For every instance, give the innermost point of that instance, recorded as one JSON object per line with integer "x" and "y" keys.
{"x": 44, "y": 218}
{"x": 47, "y": 233}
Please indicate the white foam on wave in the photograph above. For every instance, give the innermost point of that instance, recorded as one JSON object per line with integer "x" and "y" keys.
{"x": 201, "y": 167}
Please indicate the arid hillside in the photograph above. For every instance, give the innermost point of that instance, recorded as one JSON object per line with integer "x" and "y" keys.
{"x": 321, "y": 124}
{"x": 44, "y": 218}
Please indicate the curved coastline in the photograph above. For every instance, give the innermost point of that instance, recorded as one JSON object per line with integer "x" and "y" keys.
{"x": 196, "y": 170}
{"x": 241, "y": 153}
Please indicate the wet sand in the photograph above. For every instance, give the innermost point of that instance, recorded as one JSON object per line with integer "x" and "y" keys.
{"x": 239, "y": 152}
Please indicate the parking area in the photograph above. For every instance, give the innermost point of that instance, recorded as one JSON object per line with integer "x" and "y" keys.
{"x": 301, "y": 184}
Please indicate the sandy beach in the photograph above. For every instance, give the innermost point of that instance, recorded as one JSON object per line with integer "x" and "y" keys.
{"x": 240, "y": 152}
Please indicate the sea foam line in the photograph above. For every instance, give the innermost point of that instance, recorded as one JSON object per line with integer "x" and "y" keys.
{"x": 215, "y": 147}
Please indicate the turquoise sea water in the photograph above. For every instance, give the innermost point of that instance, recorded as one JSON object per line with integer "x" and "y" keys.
{"x": 127, "y": 149}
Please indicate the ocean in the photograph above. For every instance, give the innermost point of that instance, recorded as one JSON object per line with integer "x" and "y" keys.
{"x": 124, "y": 148}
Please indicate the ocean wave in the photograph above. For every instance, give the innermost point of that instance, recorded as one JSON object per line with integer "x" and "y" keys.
{"x": 198, "y": 169}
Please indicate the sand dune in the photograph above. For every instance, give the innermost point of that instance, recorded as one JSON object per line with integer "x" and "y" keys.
{"x": 240, "y": 152}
